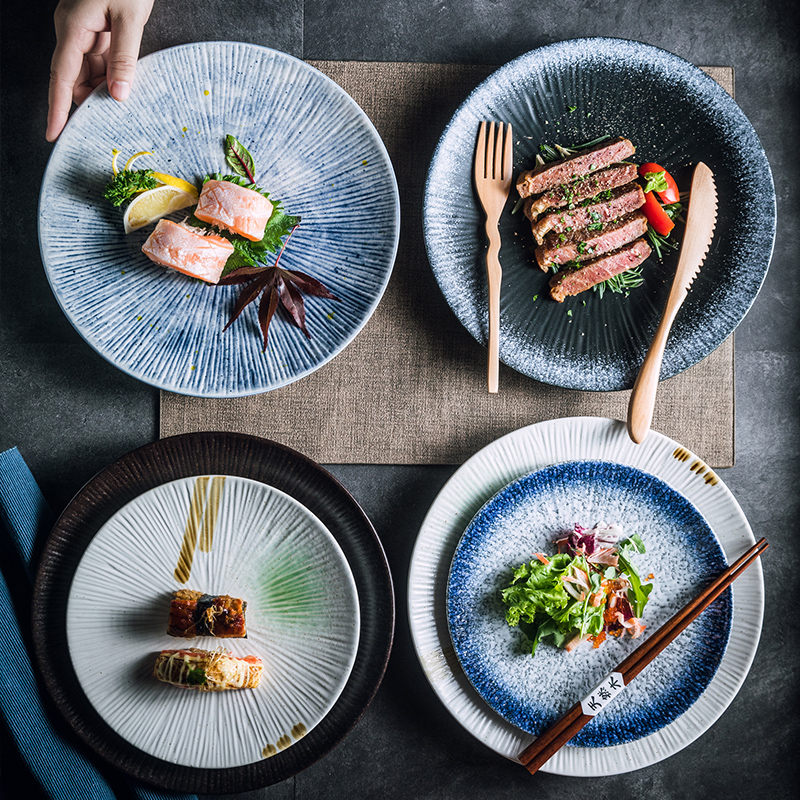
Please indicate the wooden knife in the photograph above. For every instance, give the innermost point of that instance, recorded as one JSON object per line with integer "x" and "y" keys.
{"x": 701, "y": 218}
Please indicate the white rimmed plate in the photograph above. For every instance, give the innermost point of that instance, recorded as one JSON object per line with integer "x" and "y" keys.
{"x": 314, "y": 149}
{"x": 252, "y": 541}
{"x": 524, "y": 451}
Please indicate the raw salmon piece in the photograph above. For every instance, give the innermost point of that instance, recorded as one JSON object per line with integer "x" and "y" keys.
{"x": 188, "y": 250}
{"x": 236, "y": 208}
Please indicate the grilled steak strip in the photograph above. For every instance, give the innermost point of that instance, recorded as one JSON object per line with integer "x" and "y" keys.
{"x": 571, "y": 282}
{"x": 561, "y": 248}
{"x": 569, "y": 194}
{"x": 623, "y": 200}
{"x": 567, "y": 170}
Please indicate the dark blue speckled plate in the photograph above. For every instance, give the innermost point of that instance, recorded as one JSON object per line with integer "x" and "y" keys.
{"x": 524, "y": 517}
{"x": 675, "y": 114}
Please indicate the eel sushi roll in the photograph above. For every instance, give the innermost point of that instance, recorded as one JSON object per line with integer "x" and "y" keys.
{"x": 196, "y": 614}
{"x": 235, "y": 208}
{"x": 207, "y": 671}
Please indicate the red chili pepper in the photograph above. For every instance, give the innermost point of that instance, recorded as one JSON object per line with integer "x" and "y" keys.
{"x": 671, "y": 194}
{"x": 658, "y": 218}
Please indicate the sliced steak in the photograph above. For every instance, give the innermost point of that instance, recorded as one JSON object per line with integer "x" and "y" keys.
{"x": 567, "y": 170}
{"x": 622, "y": 200}
{"x": 574, "y": 281}
{"x": 560, "y": 248}
{"x": 568, "y": 194}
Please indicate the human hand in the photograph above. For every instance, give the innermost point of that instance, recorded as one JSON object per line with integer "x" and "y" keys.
{"x": 96, "y": 41}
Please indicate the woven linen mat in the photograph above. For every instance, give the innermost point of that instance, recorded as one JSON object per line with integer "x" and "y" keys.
{"x": 411, "y": 387}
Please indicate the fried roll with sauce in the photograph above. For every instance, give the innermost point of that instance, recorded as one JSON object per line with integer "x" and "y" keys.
{"x": 207, "y": 671}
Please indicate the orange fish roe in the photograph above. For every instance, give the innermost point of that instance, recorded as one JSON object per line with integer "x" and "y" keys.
{"x": 599, "y": 639}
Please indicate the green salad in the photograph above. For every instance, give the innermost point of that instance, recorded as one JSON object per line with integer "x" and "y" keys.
{"x": 587, "y": 591}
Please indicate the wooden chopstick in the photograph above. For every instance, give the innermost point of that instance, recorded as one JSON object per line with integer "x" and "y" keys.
{"x": 555, "y": 736}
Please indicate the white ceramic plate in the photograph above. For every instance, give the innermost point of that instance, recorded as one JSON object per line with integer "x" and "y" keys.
{"x": 532, "y": 448}
{"x": 252, "y": 541}
{"x": 314, "y": 149}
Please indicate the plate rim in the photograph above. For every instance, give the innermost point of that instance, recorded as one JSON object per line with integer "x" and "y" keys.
{"x": 714, "y": 341}
{"x": 431, "y": 649}
{"x": 247, "y": 456}
{"x": 168, "y": 385}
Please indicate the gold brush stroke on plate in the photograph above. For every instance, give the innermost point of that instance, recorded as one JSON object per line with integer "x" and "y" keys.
{"x": 298, "y": 732}
{"x": 210, "y": 517}
{"x": 199, "y": 522}
{"x": 699, "y": 467}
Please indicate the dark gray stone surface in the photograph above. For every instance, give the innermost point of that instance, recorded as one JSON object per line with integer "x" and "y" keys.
{"x": 71, "y": 413}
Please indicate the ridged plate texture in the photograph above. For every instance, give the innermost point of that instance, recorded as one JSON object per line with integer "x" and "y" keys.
{"x": 314, "y": 149}
{"x": 526, "y": 517}
{"x": 528, "y": 450}
{"x": 246, "y": 540}
{"x": 570, "y": 93}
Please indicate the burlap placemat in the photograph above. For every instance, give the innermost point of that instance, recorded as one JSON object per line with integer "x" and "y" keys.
{"x": 411, "y": 388}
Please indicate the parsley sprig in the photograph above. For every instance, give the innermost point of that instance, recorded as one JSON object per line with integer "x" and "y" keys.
{"x": 128, "y": 182}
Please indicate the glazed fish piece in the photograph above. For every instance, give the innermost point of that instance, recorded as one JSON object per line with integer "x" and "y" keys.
{"x": 567, "y": 170}
{"x": 235, "y": 208}
{"x": 574, "y": 281}
{"x": 188, "y": 250}
{"x": 196, "y": 614}
{"x": 207, "y": 671}
{"x": 560, "y": 248}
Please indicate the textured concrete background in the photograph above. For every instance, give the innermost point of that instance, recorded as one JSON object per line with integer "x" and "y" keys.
{"x": 71, "y": 413}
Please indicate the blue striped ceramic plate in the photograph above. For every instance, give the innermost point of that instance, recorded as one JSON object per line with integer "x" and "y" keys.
{"x": 314, "y": 149}
{"x": 525, "y": 517}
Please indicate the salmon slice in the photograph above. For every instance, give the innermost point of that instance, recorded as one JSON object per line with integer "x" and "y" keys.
{"x": 235, "y": 208}
{"x": 188, "y": 250}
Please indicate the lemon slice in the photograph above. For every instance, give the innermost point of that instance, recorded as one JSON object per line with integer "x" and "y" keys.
{"x": 171, "y": 180}
{"x": 154, "y": 204}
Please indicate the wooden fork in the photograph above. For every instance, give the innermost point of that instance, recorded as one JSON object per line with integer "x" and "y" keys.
{"x": 493, "y": 157}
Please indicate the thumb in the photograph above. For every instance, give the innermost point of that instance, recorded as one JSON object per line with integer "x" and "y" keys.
{"x": 126, "y": 38}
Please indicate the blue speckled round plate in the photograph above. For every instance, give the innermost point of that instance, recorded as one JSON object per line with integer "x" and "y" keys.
{"x": 525, "y": 517}
{"x": 675, "y": 114}
{"x": 314, "y": 149}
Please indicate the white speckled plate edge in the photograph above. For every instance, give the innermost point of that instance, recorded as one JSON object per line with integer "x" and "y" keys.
{"x": 524, "y": 451}
{"x": 302, "y": 619}
{"x": 319, "y": 154}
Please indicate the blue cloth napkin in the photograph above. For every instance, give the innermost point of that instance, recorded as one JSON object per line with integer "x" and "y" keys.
{"x": 60, "y": 769}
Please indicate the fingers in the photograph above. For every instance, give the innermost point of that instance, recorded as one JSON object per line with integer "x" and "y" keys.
{"x": 87, "y": 52}
{"x": 65, "y": 70}
{"x": 126, "y": 37}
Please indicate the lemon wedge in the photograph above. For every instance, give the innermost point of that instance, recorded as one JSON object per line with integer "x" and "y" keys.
{"x": 154, "y": 204}
{"x": 171, "y": 180}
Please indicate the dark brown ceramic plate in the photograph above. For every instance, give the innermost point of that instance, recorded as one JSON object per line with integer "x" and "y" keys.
{"x": 228, "y": 454}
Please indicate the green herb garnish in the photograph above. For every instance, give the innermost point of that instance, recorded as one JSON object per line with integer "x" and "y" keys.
{"x": 196, "y": 677}
{"x": 128, "y": 182}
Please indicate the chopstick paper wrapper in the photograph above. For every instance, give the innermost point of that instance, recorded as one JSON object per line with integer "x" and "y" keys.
{"x": 553, "y": 738}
